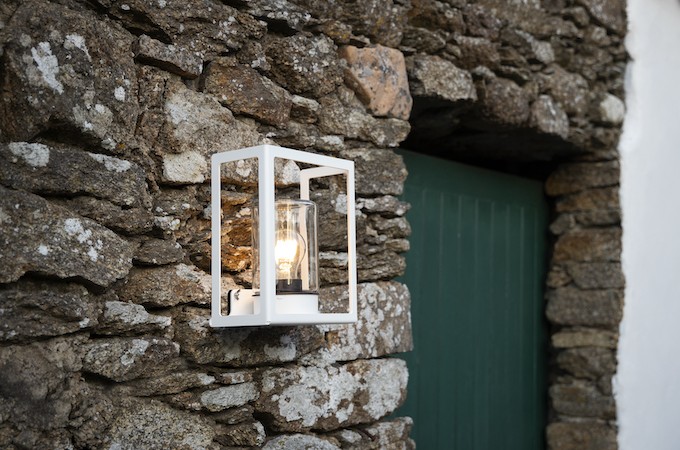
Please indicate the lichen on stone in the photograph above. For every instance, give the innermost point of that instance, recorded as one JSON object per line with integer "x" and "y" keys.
{"x": 48, "y": 65}
{"x": 36, "y": 155}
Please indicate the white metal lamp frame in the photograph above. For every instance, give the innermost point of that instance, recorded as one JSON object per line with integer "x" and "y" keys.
{"x": 267, "y": 314}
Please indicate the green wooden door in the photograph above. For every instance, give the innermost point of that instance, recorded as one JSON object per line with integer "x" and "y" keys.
{"x": 476, "y": 272}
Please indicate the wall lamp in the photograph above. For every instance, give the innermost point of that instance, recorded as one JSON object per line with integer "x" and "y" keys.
{"x": 285, "y": 262}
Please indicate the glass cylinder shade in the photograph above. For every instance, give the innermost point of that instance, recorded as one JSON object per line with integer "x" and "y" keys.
{"x": 296, "y": 251}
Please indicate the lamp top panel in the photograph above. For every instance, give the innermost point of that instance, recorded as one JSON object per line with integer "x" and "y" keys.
{"x": 274, "y": 151}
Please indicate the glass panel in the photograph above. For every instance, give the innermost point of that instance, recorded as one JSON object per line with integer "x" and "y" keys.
{"x": 295, "y": 248}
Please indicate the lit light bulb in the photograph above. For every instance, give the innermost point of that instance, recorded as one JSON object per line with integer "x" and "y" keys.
{"x": 287, "y": 251}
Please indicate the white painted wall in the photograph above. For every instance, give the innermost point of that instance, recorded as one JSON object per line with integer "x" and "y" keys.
{"x": 647, "y": 386}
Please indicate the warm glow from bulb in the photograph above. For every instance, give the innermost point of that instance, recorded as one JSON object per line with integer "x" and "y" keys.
{"x": 286, "y": 252}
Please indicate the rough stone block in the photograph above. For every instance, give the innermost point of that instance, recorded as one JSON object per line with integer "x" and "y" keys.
{"x": 153, "y": 84}
{"x": 598, "y": 218}
{"x": 119, "y": 219}
{"x": 392, "y": 228}
{"x": 181, "y": 203}
{"x": 377, "y": 171}
{"x": 185, "y": 168}
{"x": 53, "y": 58}
{"x": 166, "y": 286}
{"x": 612, "y": 110}
{"x": 234, "y": 416}
{"x": 91, "y": 414}
{"x": 584, "y": 337}
{"x": 66, "y": 171}
{"x": 304, "y": 110}
{"x": 483, "y": 21}
{"x": 379, "y": 265}
{"x": 333, "y": 259}
{"x": 596, "y": 245}
{"x": 578, "y": 15}
{"x": 174, "y": 59}
{"x": 597, "y": 275}
{"x": 387, "y": 206}
{"x": 40, "y": 237}
{"x": 535, "y": 50}
{"x": 304, "y": 64}
{"x": 502, "y": 100}
{"x": 438, "y": 15}
{"x": 120, "y": 318}
{"x": 434, "y": 77}
{"x": 253, "y": 94}
{"x": 544, "y": 25}
{"x": 172, "y": 383}
{"x": 580, "y": 398}
{"x": 392, "y": 434}
{"x": 575, "y": 177}
{"x": 152, "y": 424}
{"x": 247, "y": 434}
{"x": 474, "y": 51}
{"x": 332, "y": 275}
{"x": 235, "y": 258}
{"x": 378, "y": 76}
{"x": 383, "y": 326}
{"x": 210, "y": 28}
{"x": 562, "y": 224}
{"x": 226, "y": 397}
{"x": 230, "y": 376}
{"x": 325, "y": 398}
{"x": 354, "y": 123}
{"x": 122, "y": 359}
{"x": 557, "y": 277}
{"x": 331, "y": 204}
{"x": 158, "y": 252}
{"x": 398, "y": 245}
{"x": 299, "y": 441}
{"x": 241, "y": 346}
{"x": 385, "y": 434}
{"x": 29, "y": 438}
{"x": 570, "y": 90}
{"x": 38, "y": 383}
{"x": 589, "y": 200}
{"x": 423, "y": 40}
{"x": 37, "y": 309}
{"x": 548, "y": 117}
{"x": 611, "y": 14}
{"x": 572, "y": 306}
{"x": 195, "y": 124}
{"x": 588, "y": 435}
{"x": 381, "y": 20}
{"x": 281, "y": 13}
{"x": 588, "y": 362}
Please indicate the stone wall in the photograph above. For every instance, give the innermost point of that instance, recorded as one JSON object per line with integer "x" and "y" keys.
{"x": 585, "y": 303}
{"x": 109, "y": 113}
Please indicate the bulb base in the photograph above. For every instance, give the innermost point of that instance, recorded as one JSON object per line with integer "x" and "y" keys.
{"x": 289, "y": 286}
